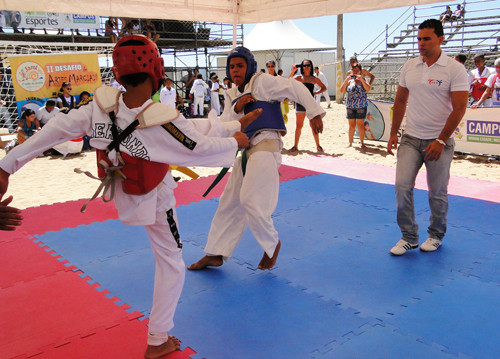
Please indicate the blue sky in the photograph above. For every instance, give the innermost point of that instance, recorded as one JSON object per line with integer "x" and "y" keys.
{"x": 360, "y": 29}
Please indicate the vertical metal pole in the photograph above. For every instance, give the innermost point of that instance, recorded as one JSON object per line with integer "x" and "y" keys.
{"x": 340, "y": 58}
{"x": 236, "y": 7}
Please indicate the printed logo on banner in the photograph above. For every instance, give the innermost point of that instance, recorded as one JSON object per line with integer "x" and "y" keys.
{"x": 483, "y": 131}
{"x": 30, "y": 76}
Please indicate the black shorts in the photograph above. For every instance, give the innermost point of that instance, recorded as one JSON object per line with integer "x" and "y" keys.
{"x": 299, "y": 108}
{"x": 356, "y": 113}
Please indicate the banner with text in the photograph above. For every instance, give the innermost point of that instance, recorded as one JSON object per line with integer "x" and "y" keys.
{"x": 48, "y": 20}
{"x": 38, "y": 77}
{"x": 478, "y": 132}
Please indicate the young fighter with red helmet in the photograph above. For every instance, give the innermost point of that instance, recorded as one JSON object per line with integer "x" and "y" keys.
{"x": 136, "y": 140}
{"x": 251, "y": 193}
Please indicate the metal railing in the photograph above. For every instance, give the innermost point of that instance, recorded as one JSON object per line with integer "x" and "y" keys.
{"x": 478, "y": 31}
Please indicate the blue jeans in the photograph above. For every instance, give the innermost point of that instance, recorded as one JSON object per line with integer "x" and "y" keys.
{"x": 410, "y": 159}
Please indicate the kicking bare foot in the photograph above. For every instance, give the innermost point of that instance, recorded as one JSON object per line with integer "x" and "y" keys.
{"x": 159, "y": 351}
{"x": 207, "y": 261}
{"x": 268, "y": 263}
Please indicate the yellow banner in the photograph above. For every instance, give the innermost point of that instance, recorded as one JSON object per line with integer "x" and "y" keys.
{"x": 39, "y": 77}
{"x": 42, "y": 75}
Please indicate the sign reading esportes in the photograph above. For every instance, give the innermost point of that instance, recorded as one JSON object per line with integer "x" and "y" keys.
{"x": 48, "y": 20}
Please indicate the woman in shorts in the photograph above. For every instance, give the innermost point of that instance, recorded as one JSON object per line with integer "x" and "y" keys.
{"x": 356, "y": 102}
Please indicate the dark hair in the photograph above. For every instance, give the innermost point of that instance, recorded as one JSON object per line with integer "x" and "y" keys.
{"x": 316, "y": 67}
{"x": 270, "y": 61}
{"x": 358, "y": 65}
{"x": 27, "y": 112}
{"x": 462, "y": 58}
{"x": 64, "y": 84}
{"x": 353, "y": 58}
{"x": 302, "y": 66}
{"x": 479, "y": 55}
{"x": 134, "y": 80}
{"x": 434, "y": 24}
{"x": 280, "y": 71}
{"x": 199, "y": 76}
{"x": 84, "y": 93}
{"x": 50, "y": 103}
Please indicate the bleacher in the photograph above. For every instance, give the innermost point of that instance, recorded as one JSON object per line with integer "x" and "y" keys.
{"x": 174, "y": 34}
{"x": 477, "y": 32}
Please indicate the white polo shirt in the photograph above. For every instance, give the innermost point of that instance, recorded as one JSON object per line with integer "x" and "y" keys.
{"x": 44, "y": 116}
{"x": 429, "y": 103}
{"x": 168, "y": 97}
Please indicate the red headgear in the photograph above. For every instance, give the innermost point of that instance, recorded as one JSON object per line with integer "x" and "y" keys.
{"x": 133, "y": 59}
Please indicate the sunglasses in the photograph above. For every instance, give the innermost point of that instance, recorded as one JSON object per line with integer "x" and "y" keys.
{"x": 306, "y": 65}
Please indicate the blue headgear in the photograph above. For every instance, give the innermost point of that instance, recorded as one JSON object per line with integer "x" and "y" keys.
{"x": 243, "y": 52}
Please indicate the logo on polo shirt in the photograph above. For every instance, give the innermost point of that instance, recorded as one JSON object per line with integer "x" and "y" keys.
{"x": 435, "y": 82}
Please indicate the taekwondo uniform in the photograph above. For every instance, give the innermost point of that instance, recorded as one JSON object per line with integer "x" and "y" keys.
{"x": 180, "y": 142}
{"x": 250, "y": 199}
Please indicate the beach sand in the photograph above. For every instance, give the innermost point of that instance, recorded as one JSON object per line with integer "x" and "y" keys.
{"x": 48, "y": 180}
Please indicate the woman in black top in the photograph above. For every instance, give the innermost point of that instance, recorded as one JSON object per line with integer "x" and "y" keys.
{"x": 309, "y": 80}
{"x": 65, "y": 101}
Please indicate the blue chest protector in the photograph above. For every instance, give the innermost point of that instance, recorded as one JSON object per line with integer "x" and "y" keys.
{"x": 271, "y": 118}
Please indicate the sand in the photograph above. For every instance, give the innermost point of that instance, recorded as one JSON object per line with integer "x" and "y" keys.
{"x": 48, "y": 180}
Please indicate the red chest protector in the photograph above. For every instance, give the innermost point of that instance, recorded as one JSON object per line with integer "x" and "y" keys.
{"x": 139, "y": 175}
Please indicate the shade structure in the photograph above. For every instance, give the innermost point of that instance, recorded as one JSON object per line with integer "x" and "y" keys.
{"x": 225, "y": 11}
{"x": 281, "y": 35}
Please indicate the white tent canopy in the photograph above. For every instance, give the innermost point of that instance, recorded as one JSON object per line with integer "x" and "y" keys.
{"x": 225, "y": 11}
{"x": 281, "y": 36}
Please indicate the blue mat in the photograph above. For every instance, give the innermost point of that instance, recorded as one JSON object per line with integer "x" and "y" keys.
{"x": 335, "y": 291}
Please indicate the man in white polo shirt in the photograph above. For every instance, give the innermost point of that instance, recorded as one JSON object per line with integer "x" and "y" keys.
{"x": 435, "y": 87}
{"x": 168, "y": 95}
{"x": 45, "y": 113}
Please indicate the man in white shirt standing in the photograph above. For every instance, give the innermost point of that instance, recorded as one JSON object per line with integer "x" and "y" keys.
{"x": 168, "y": 95}
{"x": 435, "y": 88}
{"x": 45, "y": 113}
{"x": 199, "y": 91}
{"x": 323, "y": 79}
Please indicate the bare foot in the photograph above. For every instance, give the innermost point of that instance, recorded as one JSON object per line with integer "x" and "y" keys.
{"x": 348, "y": 145}
{"x": 268, "y": 263}
{"x": 159, "y": 351}
{"x": 207, "y": 261}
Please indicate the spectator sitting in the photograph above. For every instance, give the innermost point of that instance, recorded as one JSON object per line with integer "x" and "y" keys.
{"x": 150, "y": 31}
{"x": 446, "y": 16}
{"x": 109, "y": 26}
{"x": 27, "y": 126}
{"x": 83, "y": 99}
{"x": 131, "y": 28}
{"x": 65, "y": 101}
{"x": 458, "y": 14}
{"x": 45, "y": 113}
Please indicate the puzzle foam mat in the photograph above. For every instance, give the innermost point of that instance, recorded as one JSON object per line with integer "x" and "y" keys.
{"x": 83, "y": 289}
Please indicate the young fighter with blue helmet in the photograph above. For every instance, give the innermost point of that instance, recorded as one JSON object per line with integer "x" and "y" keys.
{"x": 251, "y": 194}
